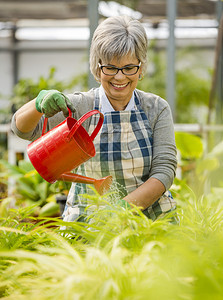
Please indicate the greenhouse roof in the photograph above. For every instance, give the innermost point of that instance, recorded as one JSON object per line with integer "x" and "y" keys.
{"x": 14, "y": 10}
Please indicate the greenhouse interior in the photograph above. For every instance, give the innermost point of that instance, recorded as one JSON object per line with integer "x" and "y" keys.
{"x": 128, "y": 183}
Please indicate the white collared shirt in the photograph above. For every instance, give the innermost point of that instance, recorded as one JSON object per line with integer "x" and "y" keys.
{"x": 106, "y": 105}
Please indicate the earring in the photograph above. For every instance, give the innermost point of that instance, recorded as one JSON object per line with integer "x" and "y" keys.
{"x": 141, "y": 76}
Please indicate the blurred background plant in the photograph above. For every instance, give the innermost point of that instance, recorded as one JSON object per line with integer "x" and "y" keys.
{"x": 192, "y": 84}
{"x": 27, "y": 188}
{"x": 201, "y": 169}
{"x": 26, "y": 89}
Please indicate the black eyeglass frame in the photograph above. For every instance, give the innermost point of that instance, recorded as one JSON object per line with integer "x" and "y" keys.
{"x": 118, "y": 69}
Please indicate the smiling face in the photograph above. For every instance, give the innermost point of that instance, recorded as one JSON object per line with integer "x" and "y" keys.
{"x": 119, "y": 88}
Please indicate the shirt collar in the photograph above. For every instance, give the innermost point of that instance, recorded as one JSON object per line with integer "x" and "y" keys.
{"x": 106, "y": 105}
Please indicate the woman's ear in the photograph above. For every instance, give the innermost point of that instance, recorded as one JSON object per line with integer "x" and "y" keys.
{"x": 140, "y": 73}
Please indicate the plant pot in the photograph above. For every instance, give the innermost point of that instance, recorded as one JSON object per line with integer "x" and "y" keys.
{"x": 61, "y": 200}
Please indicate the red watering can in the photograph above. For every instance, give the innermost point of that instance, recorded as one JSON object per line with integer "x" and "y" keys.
{"x": 64, "y": 148}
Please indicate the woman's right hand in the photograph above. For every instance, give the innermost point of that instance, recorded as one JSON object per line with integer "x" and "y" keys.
{"x": 51, "y": 102}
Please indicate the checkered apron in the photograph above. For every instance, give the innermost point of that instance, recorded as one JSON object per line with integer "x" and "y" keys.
{"x": 124, "y": 150}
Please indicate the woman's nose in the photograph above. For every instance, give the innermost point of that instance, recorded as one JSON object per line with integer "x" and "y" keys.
{"x": 119, "y": 75}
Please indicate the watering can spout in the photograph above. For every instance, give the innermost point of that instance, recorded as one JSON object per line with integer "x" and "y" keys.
{"x": 101, "y": 185}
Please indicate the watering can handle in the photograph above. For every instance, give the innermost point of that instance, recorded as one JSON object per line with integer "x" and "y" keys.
{"x": 79, "y": 122}
{"x": 84, "y": 118}
{"x": 46, "y": 120}
{"x": 44, "y": 126}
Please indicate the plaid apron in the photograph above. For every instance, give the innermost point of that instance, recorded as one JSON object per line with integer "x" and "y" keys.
{"x": 124, "y": 150}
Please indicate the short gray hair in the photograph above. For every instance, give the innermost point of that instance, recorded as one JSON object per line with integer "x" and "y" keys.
{"x": 116, "y": 37}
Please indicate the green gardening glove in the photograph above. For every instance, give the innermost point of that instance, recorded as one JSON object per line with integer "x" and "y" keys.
{"x": 51, "y": 102}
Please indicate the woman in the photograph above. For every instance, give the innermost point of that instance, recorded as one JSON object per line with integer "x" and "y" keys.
{"x": 136, "y": 143}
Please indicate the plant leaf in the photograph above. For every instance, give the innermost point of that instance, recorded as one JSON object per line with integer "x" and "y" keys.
{"x": 189, "y": 145}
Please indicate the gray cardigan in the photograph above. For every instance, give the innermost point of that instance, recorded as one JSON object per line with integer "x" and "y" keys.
{"x": 164, "y": 160}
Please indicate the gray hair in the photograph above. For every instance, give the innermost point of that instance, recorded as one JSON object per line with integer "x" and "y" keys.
{"x": 116, "y": 37}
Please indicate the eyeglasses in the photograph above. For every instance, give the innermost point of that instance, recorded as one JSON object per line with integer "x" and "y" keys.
{"x": 127, "y": 70}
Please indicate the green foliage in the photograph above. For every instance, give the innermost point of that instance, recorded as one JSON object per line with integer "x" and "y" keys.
{"x": 118, "y": 253}
{"x": 210, "y": 168}
{"x": 122, "y": 255}
{"x": 26, "y": 89}
{"x": 190, "y": 146}
{"x": 30, "y": 188}
{"x": 201, "y": 169}
{"x": 155, "y": 80}
{"x": 192, "y": 90}
{"x": 19, "y": 229}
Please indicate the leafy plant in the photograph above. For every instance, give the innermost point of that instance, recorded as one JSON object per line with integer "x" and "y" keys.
{"x": 27, "y": 89}
{"x": 201, "y": 170}
{"x": 122, "y": 255}
{"x": 30, "y": 187}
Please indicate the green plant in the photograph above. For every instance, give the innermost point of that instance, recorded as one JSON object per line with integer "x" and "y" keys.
{"x": 118, "y": 256}
{"x": 201, "y": 169}
{"x": 30, "y": 188}
{"x": 192, "y": 93}
{"x": 192, "y": 89}
{"x": 27, "y": 89}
